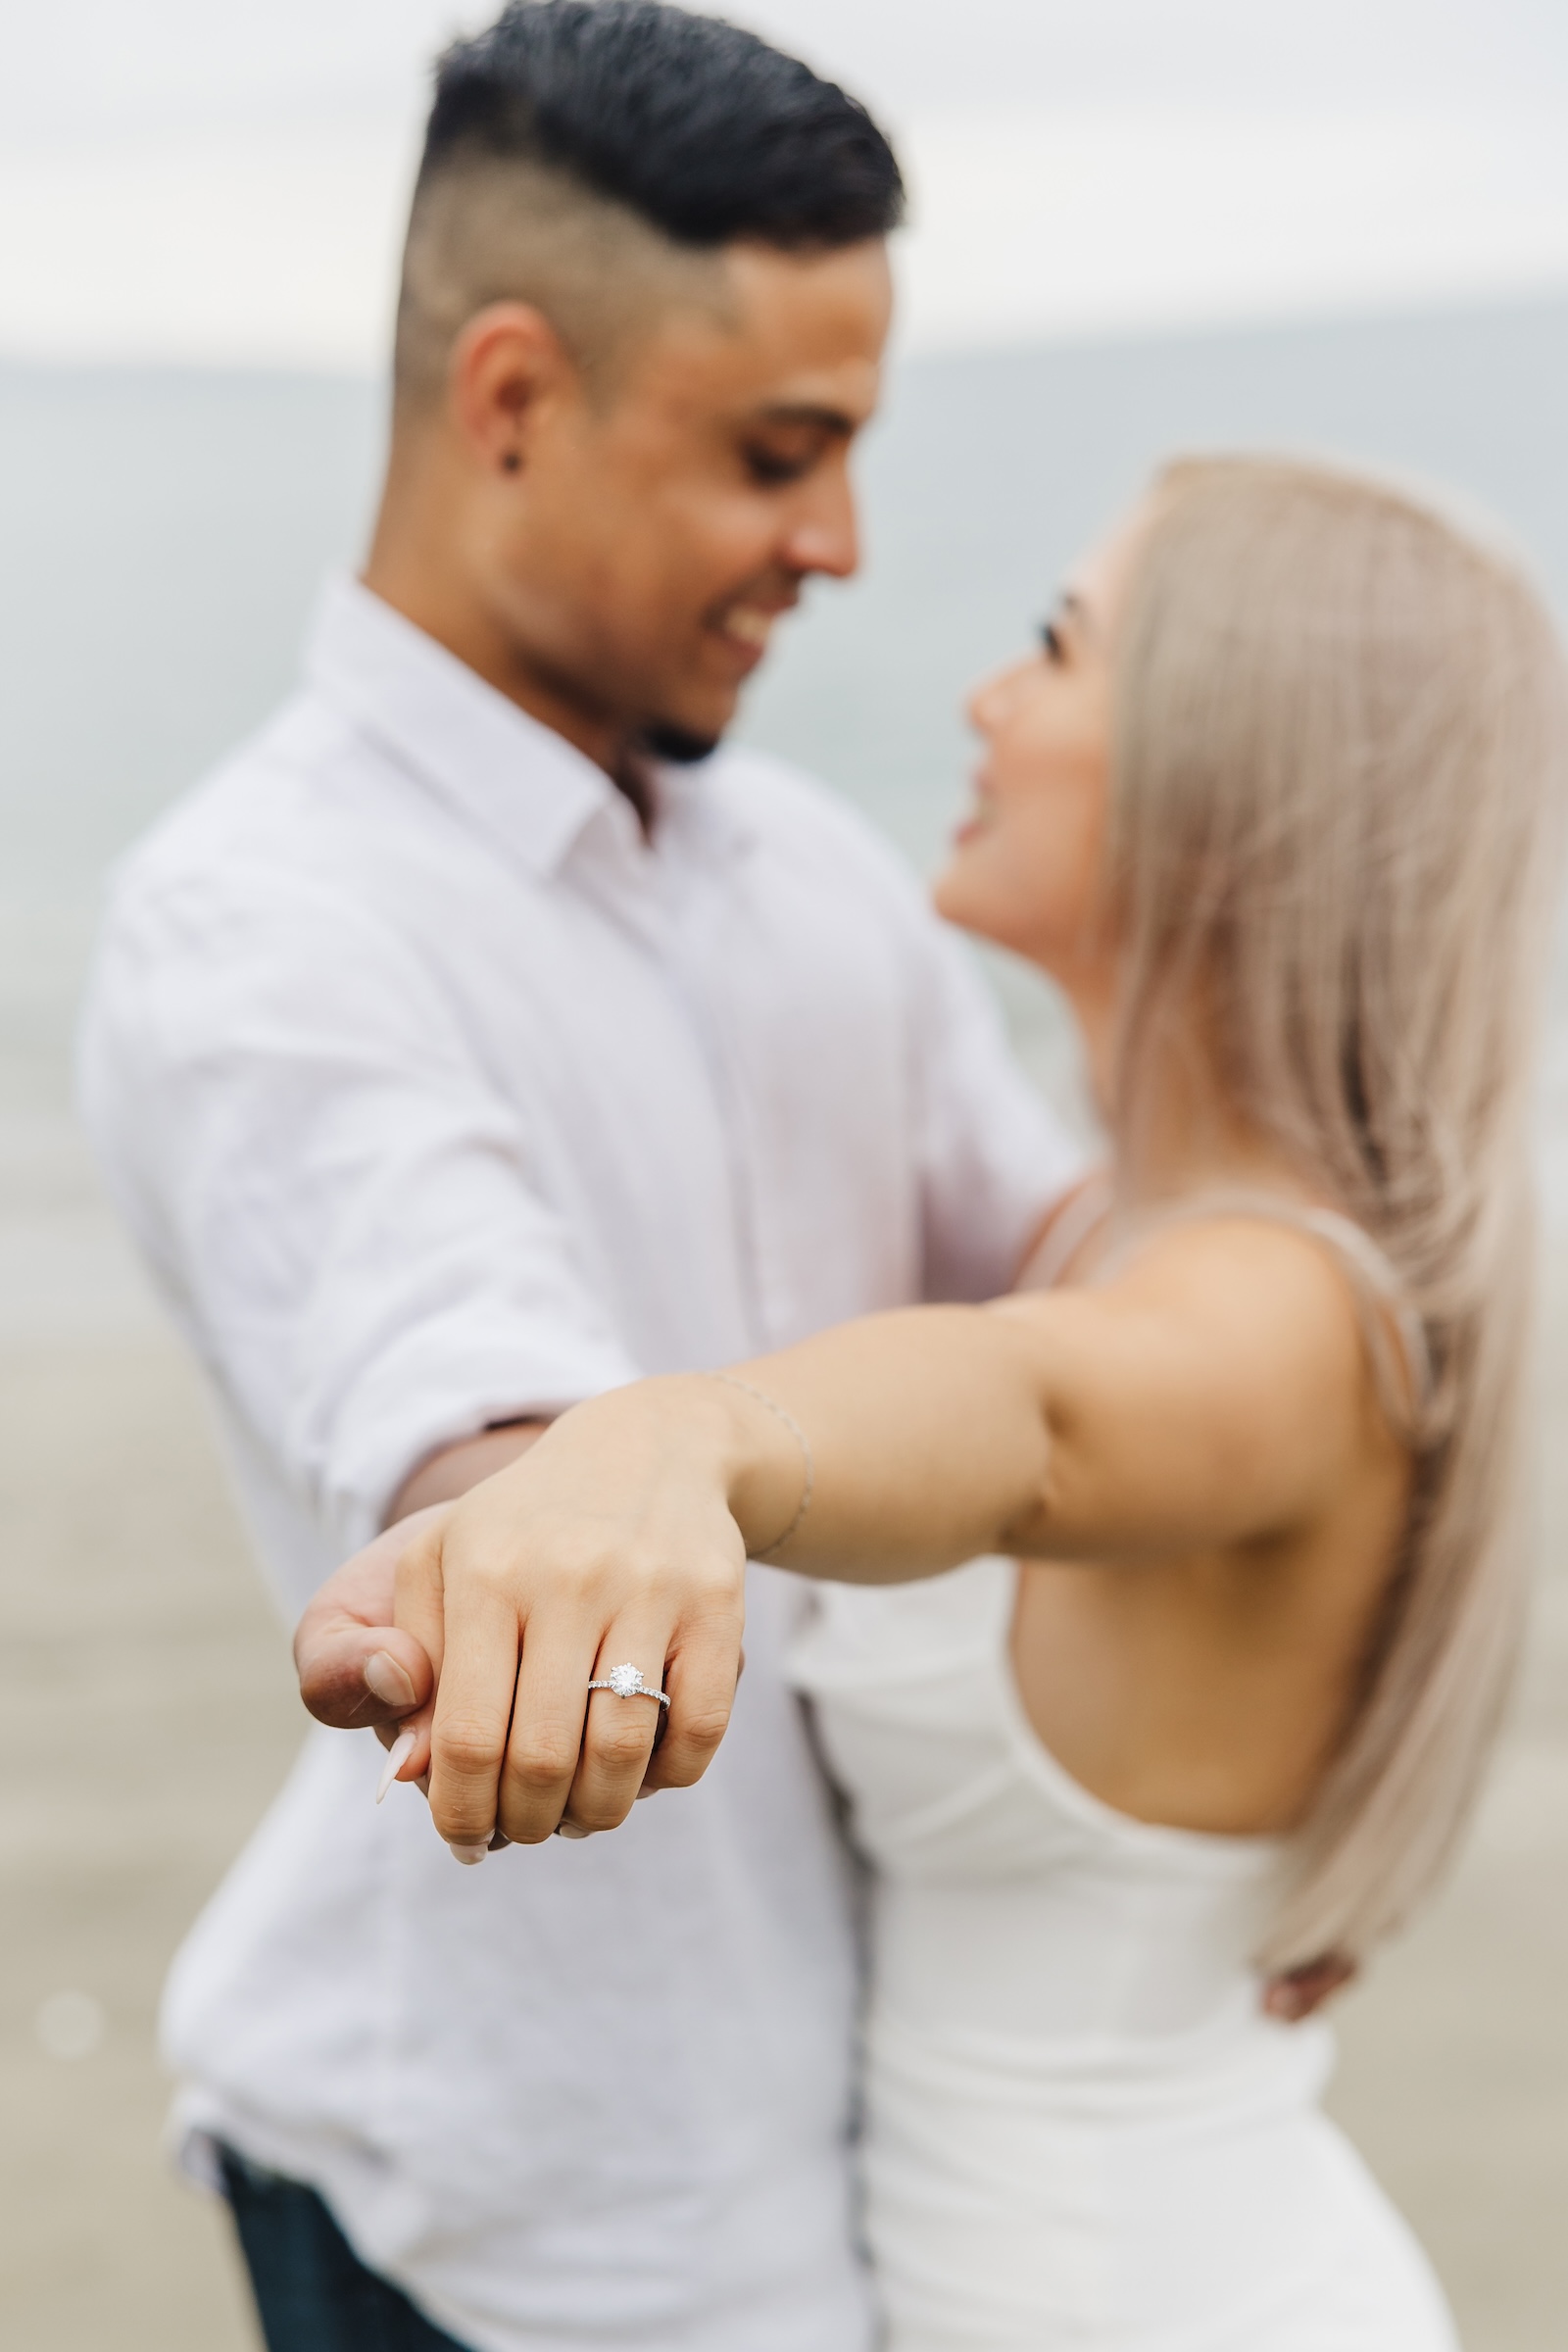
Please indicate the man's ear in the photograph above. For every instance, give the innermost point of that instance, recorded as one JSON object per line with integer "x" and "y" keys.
{"x": 507, "y": 366}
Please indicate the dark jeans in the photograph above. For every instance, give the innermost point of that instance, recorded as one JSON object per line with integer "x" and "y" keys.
{"x": 313, "y": 2292}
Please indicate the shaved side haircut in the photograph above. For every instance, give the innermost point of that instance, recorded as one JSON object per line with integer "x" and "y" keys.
{"x": 594, "y": 157}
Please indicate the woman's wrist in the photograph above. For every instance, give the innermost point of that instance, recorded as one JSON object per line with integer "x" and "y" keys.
{"x": 785, "y": 1420}
{"x": 754, "y": 1448}
{"x": 681, "y": 1439}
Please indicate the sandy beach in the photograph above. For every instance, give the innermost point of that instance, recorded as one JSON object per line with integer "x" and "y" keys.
{"x": 150, "y": 1715}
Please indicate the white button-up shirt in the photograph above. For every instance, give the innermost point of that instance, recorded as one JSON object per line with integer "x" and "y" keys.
{"x": 435, "y": 1097}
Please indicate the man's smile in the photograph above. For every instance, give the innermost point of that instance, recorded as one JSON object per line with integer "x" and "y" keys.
{"x": 746, "y": 625}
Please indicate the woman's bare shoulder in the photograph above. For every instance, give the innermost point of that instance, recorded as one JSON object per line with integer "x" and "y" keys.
{"x": 1245, "y": 1322}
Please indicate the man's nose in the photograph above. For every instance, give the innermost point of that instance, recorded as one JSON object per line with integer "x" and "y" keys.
{"x": 824, "y": 534}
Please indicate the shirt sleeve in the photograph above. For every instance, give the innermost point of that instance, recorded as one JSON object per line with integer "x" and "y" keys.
{"x": 341, "y": 1211}
{"x": 994, "y": 1157}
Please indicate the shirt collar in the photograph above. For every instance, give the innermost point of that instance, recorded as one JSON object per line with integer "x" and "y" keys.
{"x": 509, "y": 776}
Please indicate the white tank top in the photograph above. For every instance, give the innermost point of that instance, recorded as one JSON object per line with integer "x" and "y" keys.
{"x": 1080, "y": 2129}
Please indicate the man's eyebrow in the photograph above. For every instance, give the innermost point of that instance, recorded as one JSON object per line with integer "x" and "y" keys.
{"x": 818, "y": 413}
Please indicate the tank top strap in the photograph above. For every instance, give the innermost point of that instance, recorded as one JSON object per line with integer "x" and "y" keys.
{"x": 1395, "y": 1336}
{"x": 1080, "y": 1215}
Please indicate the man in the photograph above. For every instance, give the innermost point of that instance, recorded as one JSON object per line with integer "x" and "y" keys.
{"x": 474, "y": 1040}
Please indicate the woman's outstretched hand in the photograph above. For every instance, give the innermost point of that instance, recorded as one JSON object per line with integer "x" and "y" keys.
{"x": 620, "y": 1541}
{"x": 610, "y": 1543}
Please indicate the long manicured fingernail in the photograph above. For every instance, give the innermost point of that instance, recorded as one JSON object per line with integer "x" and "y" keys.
{"x": 386, "y": 1681}
{"x": 470, "y": 1854}
{"x": 569, "y": 1829}
{"x": 397, "y": 1755}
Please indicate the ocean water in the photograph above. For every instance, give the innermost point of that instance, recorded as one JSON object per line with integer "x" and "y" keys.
{"x": 162, "y": 536}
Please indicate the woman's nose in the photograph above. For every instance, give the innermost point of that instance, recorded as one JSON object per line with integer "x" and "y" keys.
{"x": 986, "y": 702}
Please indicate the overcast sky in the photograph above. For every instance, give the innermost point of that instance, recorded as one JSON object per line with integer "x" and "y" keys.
{"x": 224, "y": 179}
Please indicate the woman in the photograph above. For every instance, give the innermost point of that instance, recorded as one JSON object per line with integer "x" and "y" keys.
{"x": 1279, "y": 809}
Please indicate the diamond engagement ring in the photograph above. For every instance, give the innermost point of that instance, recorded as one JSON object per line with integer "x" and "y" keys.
{"x": 626, "y": 1682}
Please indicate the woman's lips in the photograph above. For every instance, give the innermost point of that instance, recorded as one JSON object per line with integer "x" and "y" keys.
{"x": 977, "y": 819}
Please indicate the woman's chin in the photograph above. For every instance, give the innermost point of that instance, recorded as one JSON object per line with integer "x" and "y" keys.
{"x": 952, "y": 897}
{"x": 962, "y": 899}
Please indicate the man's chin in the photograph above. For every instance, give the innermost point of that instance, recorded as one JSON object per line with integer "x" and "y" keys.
{"x": 683, "y": 747}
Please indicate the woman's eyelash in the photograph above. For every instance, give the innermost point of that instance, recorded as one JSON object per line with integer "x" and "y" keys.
{"x": 1050, "y": 641}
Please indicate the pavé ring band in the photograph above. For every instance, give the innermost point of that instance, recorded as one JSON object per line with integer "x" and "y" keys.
{"x": 626, "y": 1682}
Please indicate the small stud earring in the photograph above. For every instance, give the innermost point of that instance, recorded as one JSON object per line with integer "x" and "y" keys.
{"x": 511, "y": 461}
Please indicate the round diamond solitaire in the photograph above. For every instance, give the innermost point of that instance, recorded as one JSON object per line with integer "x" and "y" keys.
{"x": 626, "y": 1682}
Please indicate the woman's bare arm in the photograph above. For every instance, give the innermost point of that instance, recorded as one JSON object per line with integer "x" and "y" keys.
{"x": 1212, "y": 1394}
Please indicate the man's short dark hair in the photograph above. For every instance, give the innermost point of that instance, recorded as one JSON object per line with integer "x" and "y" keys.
{"x": 702, "y": 128}
{"x": 593, "y": 156}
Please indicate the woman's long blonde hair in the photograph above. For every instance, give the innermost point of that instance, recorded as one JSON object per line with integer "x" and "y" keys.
{"x": 1340, "y": 748}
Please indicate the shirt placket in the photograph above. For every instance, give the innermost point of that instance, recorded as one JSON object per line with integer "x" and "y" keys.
{"x": 669, "y": 899}
{"x": 703, "y": 947}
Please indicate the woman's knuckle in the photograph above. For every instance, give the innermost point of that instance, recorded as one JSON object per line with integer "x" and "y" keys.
{"x": 704, "y": 1724}
{"x": 465, "y": 1746}
{"x": 492, "y": 1573}
{"x": 541, "y": 1764}
{"x": 621, "y": 1741}
{"x": 717, "y": 1615}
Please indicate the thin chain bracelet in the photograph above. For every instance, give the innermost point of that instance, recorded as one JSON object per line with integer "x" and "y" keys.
{"x": 800, "y": 1440}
